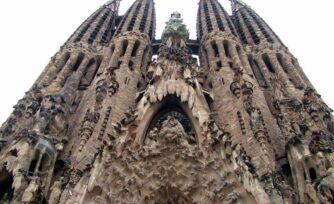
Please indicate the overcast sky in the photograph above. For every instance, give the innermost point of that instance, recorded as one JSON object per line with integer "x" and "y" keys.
{"x": 32, "y": 32}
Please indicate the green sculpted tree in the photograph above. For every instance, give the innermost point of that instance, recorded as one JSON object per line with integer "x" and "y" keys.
{"x": 175, "y": 32}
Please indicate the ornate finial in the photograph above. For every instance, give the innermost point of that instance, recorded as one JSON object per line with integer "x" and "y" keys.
{"x": 235, "y": 4}
{"x": 113, "y": 4}
{"x": 176, "y": 32}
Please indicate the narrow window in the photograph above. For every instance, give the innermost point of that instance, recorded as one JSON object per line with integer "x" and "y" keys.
{"x": 135, "y": 48}
{"x": 257, "y": 71}
{"x": 124, "y": 47}
{"x": 215, "y": 48}
{"x": 281, "y": 62}
{"x": 45, "y": 163}
{"x": 227, "y": 49}
{"x": 78, "y": 62}
{"x": 313, "y": 174}
{"x": 268, "y": 63}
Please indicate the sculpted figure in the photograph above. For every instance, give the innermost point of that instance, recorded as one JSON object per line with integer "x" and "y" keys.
{"x": 32, "y": 193}
{"x": 52, "y": 116}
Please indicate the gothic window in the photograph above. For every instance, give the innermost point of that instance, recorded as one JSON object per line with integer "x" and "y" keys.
{"x": 313, "y": 174}
{"x": 135, "y": 48}
{"x": 170, "y": 120}
{"x": 124, "y": 47}
{"x": 6, "y": 190}
{"x": 227, "y": 48}
{"x": 78, "y": 62}
{"x": 112, "y": 50}
{"x": 281, "y": 62}
{"x": 40, "y": 163}
{"x": 257, "y": 72}
{"x": 240, "y": 55}
{"x": 268, "y": 63}
{"x": 215, "y": 48}
{"x": 219, "y": 65}
{"x": 45, "y": 163}
{"x": 33, "y": 162}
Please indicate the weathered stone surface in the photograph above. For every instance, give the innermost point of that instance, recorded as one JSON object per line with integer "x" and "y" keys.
{"x": 104, "y": 123}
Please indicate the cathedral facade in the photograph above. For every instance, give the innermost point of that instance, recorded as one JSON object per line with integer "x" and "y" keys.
{"x": 106, "y": 122}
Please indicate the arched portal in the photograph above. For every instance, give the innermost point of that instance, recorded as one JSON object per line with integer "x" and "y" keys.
{"x": 6, "y": 190}
{"x": 169, "y": 112}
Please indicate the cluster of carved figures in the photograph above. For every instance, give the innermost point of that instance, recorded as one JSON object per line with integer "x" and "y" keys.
{"x": 151, "y": 133}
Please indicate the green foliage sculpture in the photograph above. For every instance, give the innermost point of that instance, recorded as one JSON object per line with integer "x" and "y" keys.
{"x": 175, "y": 32}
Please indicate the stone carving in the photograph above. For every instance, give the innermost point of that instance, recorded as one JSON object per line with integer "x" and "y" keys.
{"x": 52, "y": 116}
{"x": 130, "y": 116}
{"x": 90, "y": 120}
{"x": 171, "y": 132}
{"x": 33, "y": 193}
{"x": 101, "y": 92}
{"x": 321, "y": 143}
{"x": 105, "y": 123}
{"x": 174, "y": 141}
{"x": 241, "y": 122}
{"x": 288, "y": 193}
{"x": 236, "y": 89}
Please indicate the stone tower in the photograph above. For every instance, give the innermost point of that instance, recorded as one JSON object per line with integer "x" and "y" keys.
{"x": 107, "y": 123}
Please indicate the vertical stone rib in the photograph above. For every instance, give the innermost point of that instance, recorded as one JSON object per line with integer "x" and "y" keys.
{"x": 127, "y": 56}
{"x": 116, "y": 55}
{"x": 234, "y": 55}
{"x": 223, "y": 54}
{"x": 67, "y": 69}
{"x": 292, "y": 71}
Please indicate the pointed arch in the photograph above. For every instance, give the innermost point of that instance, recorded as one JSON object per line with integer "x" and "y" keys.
{"x": 171, "y": 106}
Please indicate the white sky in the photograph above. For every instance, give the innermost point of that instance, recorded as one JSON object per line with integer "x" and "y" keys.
{"x": 32, "y": 32}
